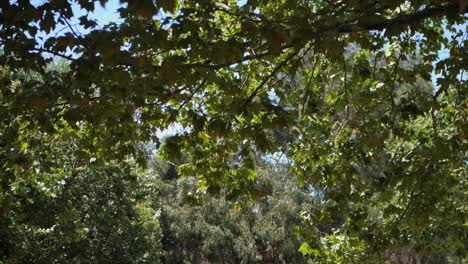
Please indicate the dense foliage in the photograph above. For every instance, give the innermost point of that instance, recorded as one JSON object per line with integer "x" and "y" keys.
{"x": 217, "y": 230}
{"x": 365, "y": 100}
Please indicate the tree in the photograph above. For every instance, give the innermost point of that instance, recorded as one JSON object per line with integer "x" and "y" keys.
{"x": 91, "y": 214}
{"x": 59, "y": 203}
{"x": 201, "y": 228}
{"x": 230, "y": 75}
{"x": 383, "y": 180}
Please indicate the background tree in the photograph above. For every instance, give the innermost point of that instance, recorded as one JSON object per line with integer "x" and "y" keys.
{"x": 210, "y": 229}
{"x": 79, "y": 213}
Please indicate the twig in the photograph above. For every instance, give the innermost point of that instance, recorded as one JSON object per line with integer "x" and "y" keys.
{"x": 54, "y": 53}
{"x": 192, "y": 95}
{"x": 345, "y": 85}
{"x": 64, "y": 19}
{"x": 265, "y": 80}
{"x": 408, "y": 205}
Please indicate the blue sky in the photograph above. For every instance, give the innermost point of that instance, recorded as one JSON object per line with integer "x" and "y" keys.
{"x": 106, "y": 14}
{"x": 102, "y": 15}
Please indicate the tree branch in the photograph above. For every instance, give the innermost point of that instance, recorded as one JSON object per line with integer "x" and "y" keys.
{"x": 70, "y": 58}
{"x": 347, "y": 27}
{"x": 406, "y": 19}
{"x": 192, "y": 95}
{"x": 265, "y": 80}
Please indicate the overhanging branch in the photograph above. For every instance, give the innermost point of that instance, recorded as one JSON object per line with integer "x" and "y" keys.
{"x": 406, "y": 19}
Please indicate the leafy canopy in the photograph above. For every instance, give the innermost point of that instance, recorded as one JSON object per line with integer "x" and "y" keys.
{"x": 347, "y": 79}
